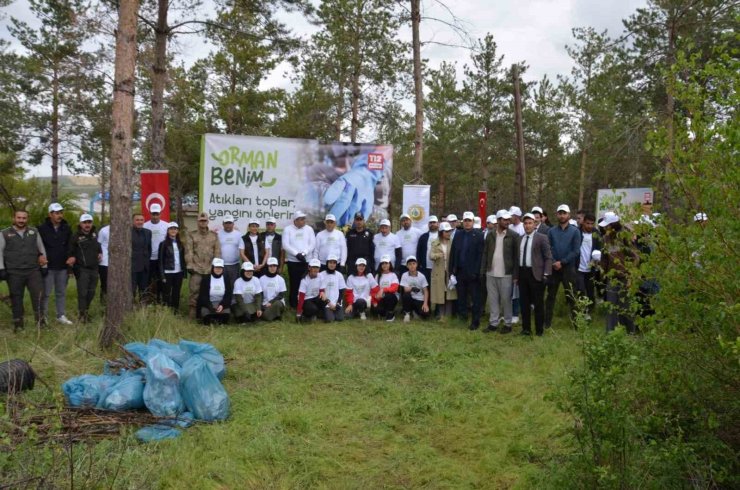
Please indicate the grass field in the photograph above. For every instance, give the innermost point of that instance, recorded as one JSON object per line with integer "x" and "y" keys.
{"x": 347, "y": 405}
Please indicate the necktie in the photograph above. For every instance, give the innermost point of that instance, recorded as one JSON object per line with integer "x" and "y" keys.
{"x": 524, "y": 257}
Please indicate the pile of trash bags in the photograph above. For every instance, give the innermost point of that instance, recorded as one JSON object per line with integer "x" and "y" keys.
{"x": 180, "y": 381}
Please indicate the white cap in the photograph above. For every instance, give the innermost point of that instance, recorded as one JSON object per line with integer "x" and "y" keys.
{"x": 515, "y": 211}
{"x": 270, "y": 220}
{"x": 360, "y": 261}
{"x": 332, "y": 257}
{"x": 299, "y": 214}
{"x": 173, "y": 224}
{"x": 451, "y": 217}
{"x": 563, "y": 207}
{"x": 85, "y": 217}
{"x": 433, "y": 219}
{"x": 217, "y": 262}
{"x": 254, "y": 221}
{"x": 227, "y": 219}
{"x": 503, "y": 214}
{"x": 573, "y": 222}
{"x": 491, "y": 218}
{"x": 610, "y": 217}
{"x": 412, "y": 258}
{"x": 330, "y": 217}
{"x": 385, "y": 222}
{"x": 536, "y": 209}
{"x": 405, "y": 215}
{"x": 55, "y": 206}
{"x": 700, "y": 217}
{"x": 155, "y": 208}
{"x": 596, "y": 255}
{"x": 468, "y": 215}
{"x": 272, "y": 261}
{"x": 528, "y": 215}
{"x": 476, "y": 222}
{"x": 314, "y": 263}
{"x": 445, "y": 226}
{"x": 247, "y": 266}
{"x": 385, "y": 258}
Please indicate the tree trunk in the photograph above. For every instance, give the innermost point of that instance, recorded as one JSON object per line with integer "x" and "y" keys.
{"x": 418, "y": 93}
{"x": 582, "y": 176}
{"x": 666, "y": 198}
{"x": 55, "y": 135}
{"x": 521, "y": 173}
{"x": 159, "y": 80}
{"x": 586, "y": 124}
{"x": 355, "y": 103}
{"x": 178, "y": 209}
{"x": 119, "y": 269}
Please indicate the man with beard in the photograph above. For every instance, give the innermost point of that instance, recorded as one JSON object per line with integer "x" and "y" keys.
{"x": 84, "y": 255}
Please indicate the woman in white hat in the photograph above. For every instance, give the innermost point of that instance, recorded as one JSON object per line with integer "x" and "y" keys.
{"x": 214, "y": 298}
{"x": 274, "y": 290}
{"x": 442, "y": 297}
{"x": 171, "y": 266}
{"x": 310, "y": 303}
{"x": 361, "y": 286}
{"x": 247, "y": 305}
{"x": 333, "y": 287}
{"x": 386, "y": 298}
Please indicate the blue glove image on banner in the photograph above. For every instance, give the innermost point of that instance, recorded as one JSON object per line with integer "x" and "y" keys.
{"x": 353, "y": 192}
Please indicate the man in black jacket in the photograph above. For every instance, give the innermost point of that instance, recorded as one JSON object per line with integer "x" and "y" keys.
{"x": 55, "y": 233}
{"x": 465, "y": 260}
{"x": 424, "y": 247}
{"x": 84, "y": 255}
{"x": 141, "y": 250}
{"x": 360, "y": 245}
{"x": 273, "y": 243}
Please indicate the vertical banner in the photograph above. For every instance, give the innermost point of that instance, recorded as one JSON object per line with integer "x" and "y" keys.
{"x": 482, "y": 207}
{"x": 155, "y": 189}
{"x": 416, "y": 204}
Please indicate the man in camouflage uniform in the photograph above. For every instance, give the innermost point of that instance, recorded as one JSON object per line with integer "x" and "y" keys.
{"x": 201, "y": 247}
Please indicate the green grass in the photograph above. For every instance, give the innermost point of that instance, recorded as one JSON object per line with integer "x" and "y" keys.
{"x": 347, "y": 405}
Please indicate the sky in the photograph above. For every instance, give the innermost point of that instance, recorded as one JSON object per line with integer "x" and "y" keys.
{"x": 534, "y": 31}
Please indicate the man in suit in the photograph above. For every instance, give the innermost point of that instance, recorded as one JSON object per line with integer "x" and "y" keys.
{"x": 465, "y": 259}
{"x": 424, "y": 247}
{"x": 501, "y": 270}
{"x": 141, "y": 251}
{"x": 539, "y": 222}
{"x": 535, "y": 266}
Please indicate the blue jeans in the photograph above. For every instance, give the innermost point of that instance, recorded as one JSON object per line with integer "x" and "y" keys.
{"x": 55, "y": 280}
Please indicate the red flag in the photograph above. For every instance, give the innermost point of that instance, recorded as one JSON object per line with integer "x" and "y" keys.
{"x": 482, "y": 201}
{"x": 155, "y": 189}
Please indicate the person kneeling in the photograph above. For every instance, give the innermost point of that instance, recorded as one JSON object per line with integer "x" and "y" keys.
{"x": 273, "y": 292}
{"x": 247, "y": 296}
{"x": 360, "y": 289}
{"x": 214, "y": 298}
{"x": 333, "y": 286}
{"x": 386, "y": 299}
{"x": 415, "y": 292}
{"x": 310, "y": 301}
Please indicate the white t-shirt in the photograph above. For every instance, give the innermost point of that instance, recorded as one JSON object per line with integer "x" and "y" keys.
{"x": 159, "y": 233}
{"x": 177, "y": 266}
{"x": 387, "y": 280}
{"x": 310, "y": 286}
{"x": 331, "y": 243}
{"x": 247, "y": 289}
{"x": 417, "y": 281}
{"x": 230, "y": 242}
{"x": 408, "y": 239}
{"x": 386, "y": 245}
{"x": 103, "y": 239}
{"x": 584, "y": 265}
{"x": 332, "y": 284}
{"x": 517, "y": 228}
{"x": 298, "y": 240}
{"x": 218, "y": 289}
{"x": 361, "y": 286}
{"x": 271, "y": 287}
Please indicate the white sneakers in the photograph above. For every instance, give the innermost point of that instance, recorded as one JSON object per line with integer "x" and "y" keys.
{"x": 363, "y": 316}
{"x": 406, "y": 317}
{"x": 514, "y": 319}
{"x": 64, "y": 320}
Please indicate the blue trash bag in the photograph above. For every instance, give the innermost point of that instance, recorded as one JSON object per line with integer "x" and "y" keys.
{"x": 173, "y": 351}
{"x": 208, "y": 353}
{"x": 138, "y": 348}
{"x": 203, "y": 393}
{"x": 184, "y": 420}
{"x": 85, "y": 390}
{"x": 126, "y": 394}
{"x": 162, "y": 389}
{"x": 158, "y": 432}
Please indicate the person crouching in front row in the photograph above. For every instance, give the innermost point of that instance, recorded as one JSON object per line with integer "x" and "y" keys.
{"x": 214, "y": 298}
{"x": 386, "y": 299}
{"x": 415, "y": 291}
{"x": 310, "y": 294}
{"x": 360, "y": 289}
{"x": 247, "y": 305}
{"x": 273, "y": 292}
{"x": 332, "y": 287}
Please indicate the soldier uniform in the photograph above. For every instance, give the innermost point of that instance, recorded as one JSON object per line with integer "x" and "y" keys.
{"x": 19, "y": 263}
{"x": 200, "y": 250}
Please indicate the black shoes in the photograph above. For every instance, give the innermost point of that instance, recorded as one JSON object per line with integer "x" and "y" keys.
{"x": 473, "y": 326}
{"x": 506, "y": 329}
{"x": 492, "y": 327}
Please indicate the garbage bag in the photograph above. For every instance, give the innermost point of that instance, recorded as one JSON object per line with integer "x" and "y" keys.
{"x": 126, "y": 394}
{"x": 162, "y": 389}
{"x": 138, "y": 348}
{"x": 208, "y": 353}
{"x": 184, "y": 420}
{"x": 158, "y": 432}
{"x": 85, "y": 390}
{"x": 203, "y": 393}
{"x": 173, "y": 351}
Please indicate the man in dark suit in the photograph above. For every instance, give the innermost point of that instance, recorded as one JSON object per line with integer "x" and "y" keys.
{"x": 141, "y": 251}
{"x": 535, "y": 266}
{"x": 539, "y": 222}
{"x": 465, "y": 259}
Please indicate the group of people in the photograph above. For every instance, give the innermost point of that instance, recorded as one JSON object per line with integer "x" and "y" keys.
{"x": 514, "y": 266}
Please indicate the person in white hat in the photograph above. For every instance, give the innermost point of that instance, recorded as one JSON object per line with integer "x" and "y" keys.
{"x": 274, "y": 291}
{"x": 201, "y": 247}
{"x": 384, "y": 301}
{"x": 454, "y": 224}
{"x": 333, "y": 289}
{"x": 230, "y": 240}
{"x": 84, "y": 255}
{"x": 273, "y": 242}
{"x": 252, "y": 248}
{"x": 172, "y": 266}
{"x": 299, "y": 242}
{"x": 516, "y": 220}
{"x": 586, "y": 274}
{"x": 330, "y": 241}
{"x": 214, "y": 299}
{"x": 247, "y": 302}
{"x": 141, "y": 252}
{"x": 539, "y": 220}
{"x": 465, "y": 265}
{"x": 565, "y": 244}
{"x": 500, "y": 268}
{"x": 310, "y": 302}
{"x": 617, "y": 255}
{"x": 408, "y": 237}
{"x": 361, "y": 286}
{"x": 424, "y": 247}
{"x": 55, "y": 234}
{"x": 414, "y": 292}
{"x": 491, "y": 223}
{"x": 442, "y": 295}
{"x": 387, "y": 243}
{"x": 159, "y": 232}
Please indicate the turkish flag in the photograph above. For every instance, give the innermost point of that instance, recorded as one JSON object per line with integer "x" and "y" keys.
{"x": 482, "y": 201}
{"x": 155, "y": 189}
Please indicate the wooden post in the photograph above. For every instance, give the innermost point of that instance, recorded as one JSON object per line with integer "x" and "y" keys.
{"x": 418, "y": 90}
{"x": 521, "y": 174}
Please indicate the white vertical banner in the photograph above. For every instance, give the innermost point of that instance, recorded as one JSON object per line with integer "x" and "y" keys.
{"x": 416, "y": 204}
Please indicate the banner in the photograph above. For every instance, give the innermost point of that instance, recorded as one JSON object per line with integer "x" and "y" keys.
{"x": 618, "y": 199}
{"x": 155, "y": 188}
{"x": 260, "y": 177}
{"x": 482, "y": 206}
{"x": 416, "y": 204}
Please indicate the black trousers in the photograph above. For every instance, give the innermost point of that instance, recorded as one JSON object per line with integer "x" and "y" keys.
{"x": 296, "y": 271}
{"x": 469, "y": 287}
{"x": 567, "y": 276}
{"x": 87, "y": 282}
{"x": 359, "y": 306}
{"x": 313, "y": 307}
{"x": 411, "y": 305}
{"x": 586, "y": 286}
{"x": 103, "y": 273}
{"x": 18, "y": 281}
{"x": 531, "y": 292}
{"x": 171, "y": 290}
{"x": 140, "y": 283}
{"x": 386, "y": 305}
{"x": 154, "y": 288}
